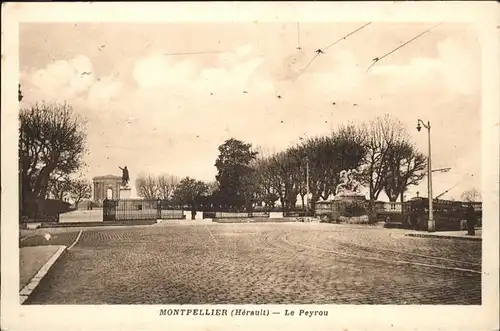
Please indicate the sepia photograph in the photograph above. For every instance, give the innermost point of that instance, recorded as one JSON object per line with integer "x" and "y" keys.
{"x": 250, "y": 163}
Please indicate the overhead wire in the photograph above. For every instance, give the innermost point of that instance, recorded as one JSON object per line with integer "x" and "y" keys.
{"x": 298, "y": 36}
{"x": 347, "y": 35}
{"x": 377, "y": 59}
{"x": 321, "y": 51}
{"x": 194, "y": 53}
{"x": 467, "y": 176}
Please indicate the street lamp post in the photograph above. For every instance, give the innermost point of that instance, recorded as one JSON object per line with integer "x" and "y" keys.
{"x": 307, "y": 182}
{"x": 431, "y": 226}
{"x": 307, "y": 185}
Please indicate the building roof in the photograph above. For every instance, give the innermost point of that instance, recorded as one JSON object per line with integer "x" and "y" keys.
{"x": 107, "y": 177}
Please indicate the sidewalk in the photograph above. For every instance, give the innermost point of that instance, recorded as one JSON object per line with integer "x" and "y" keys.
{"x": 460, "y": 235}
{"x": 34, "y": 263}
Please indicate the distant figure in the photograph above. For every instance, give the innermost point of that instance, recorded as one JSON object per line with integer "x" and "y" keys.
{"x": 193, "y": 211}
{"x": 470, "y": 217}
{"x": 125, "y": 176}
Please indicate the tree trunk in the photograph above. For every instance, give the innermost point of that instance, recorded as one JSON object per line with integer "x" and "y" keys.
{"x": 313, "y": 206}
{"x": 43, "y": 180}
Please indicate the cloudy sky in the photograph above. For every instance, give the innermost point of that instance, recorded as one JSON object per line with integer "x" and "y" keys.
{"x": 161, "y": 113}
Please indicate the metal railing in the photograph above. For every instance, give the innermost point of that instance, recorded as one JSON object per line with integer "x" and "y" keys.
{"x": 139, "y": 209}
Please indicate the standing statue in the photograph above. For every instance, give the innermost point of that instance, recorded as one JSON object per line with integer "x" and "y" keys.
{"x": 125, "y": 176}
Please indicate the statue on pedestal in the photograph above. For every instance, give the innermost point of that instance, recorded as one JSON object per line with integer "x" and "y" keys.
{"x": 349, "y": 185}
{"x": 125, "y": 176}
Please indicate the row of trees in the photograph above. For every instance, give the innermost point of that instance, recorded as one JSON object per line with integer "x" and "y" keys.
{"x": 63, "y": 187}
{"x": 185, "y": 191}
{"x": 381, "y": 151}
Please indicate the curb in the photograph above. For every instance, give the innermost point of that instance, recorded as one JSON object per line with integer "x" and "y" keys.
{"x": 421, "y": 235}
{"x": 30, "y": 287}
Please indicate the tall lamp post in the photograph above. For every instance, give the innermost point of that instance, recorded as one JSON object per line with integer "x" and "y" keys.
{"x": 307, "y": 182}
{"x": 307, "y": 186}
{"x": 431, "y": 226}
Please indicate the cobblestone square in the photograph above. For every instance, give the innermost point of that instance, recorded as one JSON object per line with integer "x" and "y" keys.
{"x": 266, "y": 263}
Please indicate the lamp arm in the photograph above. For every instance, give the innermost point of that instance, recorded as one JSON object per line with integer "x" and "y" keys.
{"x": 427, "y": 126}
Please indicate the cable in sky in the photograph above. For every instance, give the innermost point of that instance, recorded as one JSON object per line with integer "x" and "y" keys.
{"x": 298, "y": 36}
{"x": 279, "y": 96}
{"x": 467, "y": 176}
{"x": 347, "y": 35}
{"x": 194, "y": 53}
{"x": 307, "y": 65}
{"x": 377, "y": 59}
{"x": 321, "y": 51}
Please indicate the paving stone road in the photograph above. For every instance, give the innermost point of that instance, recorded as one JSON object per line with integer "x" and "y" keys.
{"x": 269, "y": 263}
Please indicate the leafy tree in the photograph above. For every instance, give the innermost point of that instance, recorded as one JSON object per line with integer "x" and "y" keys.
{"x": 52, "y": 139}
{"x": 235, "y": 176}
{"x": 328, "y": 156}
{"x": 265, "y": 179}
{"x": 189, "y": 191}
{"x": 147, "y": 186}
{"x": 212, "y": 187}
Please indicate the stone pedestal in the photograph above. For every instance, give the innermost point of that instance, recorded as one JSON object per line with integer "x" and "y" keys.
{"x": 350, "y": 197}
{"x": 125, "y": 192}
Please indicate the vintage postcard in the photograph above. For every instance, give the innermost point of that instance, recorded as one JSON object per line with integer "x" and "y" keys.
{"x": 208, "y": 166}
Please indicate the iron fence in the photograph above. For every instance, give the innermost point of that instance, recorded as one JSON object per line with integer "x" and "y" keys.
{"x": 139, "y": 209}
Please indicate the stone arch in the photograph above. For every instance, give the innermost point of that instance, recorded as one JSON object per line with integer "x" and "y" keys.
{"x": 102, "y": 184}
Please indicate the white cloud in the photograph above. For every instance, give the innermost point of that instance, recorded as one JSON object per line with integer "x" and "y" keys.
{"x": 73, "y": 81}
{"x": 157, "y": 71}
{"x": 175, "y": 99}
{"x": 63, "y": 80}
{"x": 103, "y": 91}
{"x": 455, "y": 69}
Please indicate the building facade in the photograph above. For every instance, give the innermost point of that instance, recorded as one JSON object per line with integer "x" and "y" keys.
{"x": 106, "y": 187}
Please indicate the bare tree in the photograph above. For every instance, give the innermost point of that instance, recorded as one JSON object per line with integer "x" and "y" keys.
{"x": 59, "y": 185}
{"x": 147, "y": 186}
{"x": 405, "y": 166}
{"x": 166, "y": 185}
{"x": 472, "y": 195}
{"x": 80, "y": 189}
{"x": 52, "y": 138}
{"x": 382, "y": 135}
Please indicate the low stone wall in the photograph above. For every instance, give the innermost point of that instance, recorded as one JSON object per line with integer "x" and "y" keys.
{"x": 355, "y": 219}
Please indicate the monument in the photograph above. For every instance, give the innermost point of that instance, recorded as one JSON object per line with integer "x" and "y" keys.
{"x": 112, "y": 187}
{"x": 349, "y": 204}
{"x": 106, "y": 187}
{"x": 349, "y": 187}
{"x": 125, "y": 188}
